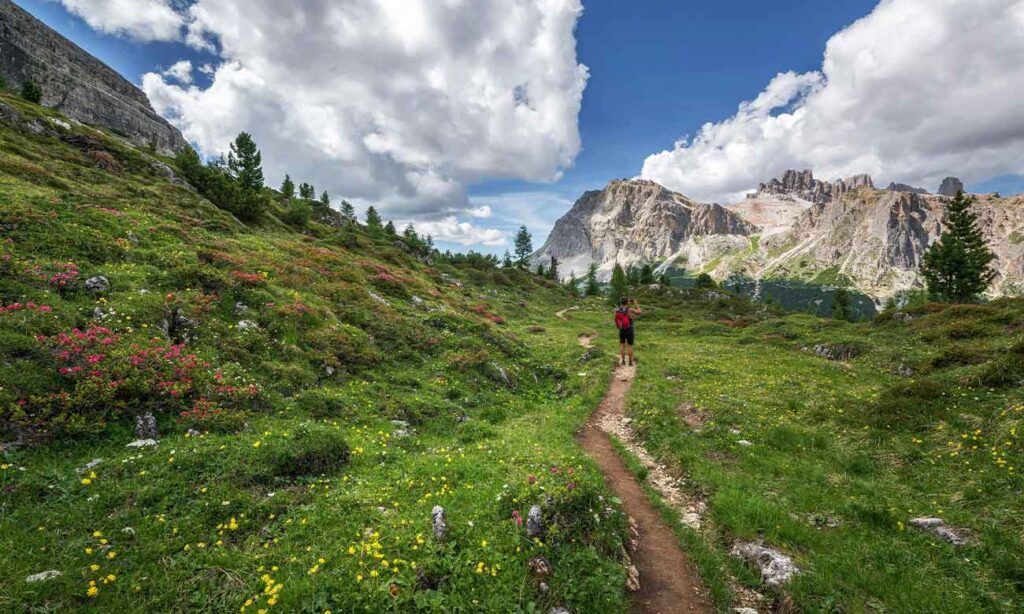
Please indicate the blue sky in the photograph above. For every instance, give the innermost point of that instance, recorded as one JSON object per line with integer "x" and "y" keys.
{"x": 658, "y": 71}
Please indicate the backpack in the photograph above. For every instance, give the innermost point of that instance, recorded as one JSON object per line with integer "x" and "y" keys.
{"x": 622, "y": 319}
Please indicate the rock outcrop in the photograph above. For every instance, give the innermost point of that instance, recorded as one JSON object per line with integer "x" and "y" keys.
{"x": 902, "y": 187}
{"x": 80, "y": 86}
{"x": 950, "y": 186}
{"x": 638, "y": 221}
{"x": 803, "y": 185}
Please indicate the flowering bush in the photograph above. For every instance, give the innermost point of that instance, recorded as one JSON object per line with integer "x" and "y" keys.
{"x": 107, "y": 375}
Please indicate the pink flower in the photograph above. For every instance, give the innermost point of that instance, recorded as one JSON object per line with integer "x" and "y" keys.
{"x": 532, "y": 479}
{"x": 516, "y": 518}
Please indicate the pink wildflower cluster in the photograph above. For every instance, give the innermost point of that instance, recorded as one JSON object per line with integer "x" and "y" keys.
{"x": 25, "y": 307}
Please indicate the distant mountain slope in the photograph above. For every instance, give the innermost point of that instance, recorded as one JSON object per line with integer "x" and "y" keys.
{"x": 637, "y": 221}
{"x": 76, "y": 83}
{"x": 845, "y": 232}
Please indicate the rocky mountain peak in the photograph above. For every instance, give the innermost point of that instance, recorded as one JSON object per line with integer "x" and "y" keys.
{"x": 803, "y": 185}
{"x": 902, "y": 187}
{"x": 82, "y": 87}
{"x": 950, "y": 186}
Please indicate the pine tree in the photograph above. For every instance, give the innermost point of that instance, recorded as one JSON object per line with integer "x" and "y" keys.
{"x": 245, "y": 163}
{"x": 553, "y": 269}
{"x": 592, "y": 287}
{"x": 325, "y": 199}
{"x": 957, "y": 267}
{"x": 523, "y": 246}
{"x": 372, "y": 219}
{"x": 506, "y": 262}
{"x": 348, "y": 212}
{"x": 390, "y": 228}
{"x": 307, "y": 191}
{"x": 540, "y": 269}
{"x": 841, "y": 305}
{"x": 410, "y": 233}
{"x": 288, "y": 187}
{"x": 573, "y": 284}
{"x": 647, "y": 274}
{"x": 620, "y": 285}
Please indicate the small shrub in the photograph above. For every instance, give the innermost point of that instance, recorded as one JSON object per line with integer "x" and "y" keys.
{"x": 1007, "y": 370}
{"x": 323, "y": 404}
{"x": 31, "y": 92}
{"x": 907, "y": 404}
{"x": 957, "y": 356}
{"x": 311, "y": 450}
{"x": 298, "y": 214}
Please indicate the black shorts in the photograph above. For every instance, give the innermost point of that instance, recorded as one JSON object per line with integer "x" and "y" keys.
{"x": 626, "y": 335}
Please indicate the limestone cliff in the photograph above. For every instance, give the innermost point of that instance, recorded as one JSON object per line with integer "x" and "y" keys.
{"x": 79, "y": 85}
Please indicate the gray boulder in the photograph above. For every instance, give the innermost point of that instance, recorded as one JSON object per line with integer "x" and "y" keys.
{"x": 97, "y": 284}
{"x": 145, "y": 426}
{"x": 534, "y": 522}
{"x": 439, "y": 520}
{"x": 776, "y": 568}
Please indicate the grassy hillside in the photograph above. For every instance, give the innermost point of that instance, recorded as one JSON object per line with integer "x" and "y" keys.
{"x": 917, "y": 414}
{"x": 317, "y": 393}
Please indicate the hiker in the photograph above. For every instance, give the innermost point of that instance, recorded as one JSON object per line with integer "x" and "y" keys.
{"x": 624, "y": 316}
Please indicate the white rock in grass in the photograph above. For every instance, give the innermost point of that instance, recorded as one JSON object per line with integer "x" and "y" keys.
{"x": 142, "y": 443}
{"x": 776, "y": 568}
{"x": 744, "y": 443}
{"x": 43, "y": 576}
{"x": 534, "y": 522}
{"x": 90, "y": 465}
{"x": 440, "y": 522}
{"x": 957, "y": 537}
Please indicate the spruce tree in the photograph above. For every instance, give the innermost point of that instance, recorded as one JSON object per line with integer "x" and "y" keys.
{"x": 245, "y": 163}
{"x": 390, "y": 229}
{"x": 647, "y": 274}
{"x": 841, "y": 305}
{"x": 506, "y": 262}
{"x": 573, "y": 284}
{"x": 540, "y": 269}
{"x": 348, "y": 212}
{"x": 592, "y": 287}
{"x": 523, "y": 246}
{"x": 958, "y": 266}
{"x": 373, "y": 222}
{"x": 307, "y": 191}
{"x": 553, "y": 269}
{"x": 620, "y": 285}
{"x": 31, "y": 92}
{"x": 325, "y": 199}
{"x": 288, "y": 187}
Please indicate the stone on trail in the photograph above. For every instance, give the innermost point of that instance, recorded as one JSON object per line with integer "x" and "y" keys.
{"x": 43, "y": 576}
{"x": 776, "y": 568}
{"x": 534, "y": 522}
{"x": 440, "y": 522}
{"x": 90, "y": 465}
{"x": 145, "y": 426}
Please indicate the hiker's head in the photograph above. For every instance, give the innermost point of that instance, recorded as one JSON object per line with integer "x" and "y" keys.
{"x": 624, "y": 301}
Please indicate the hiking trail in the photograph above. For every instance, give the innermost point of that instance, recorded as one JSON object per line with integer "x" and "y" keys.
{"x": 668, "y": 581}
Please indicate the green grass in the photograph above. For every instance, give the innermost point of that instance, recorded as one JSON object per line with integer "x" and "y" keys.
{"x": 308, "y": 490}
{"x": 854, "y": 442}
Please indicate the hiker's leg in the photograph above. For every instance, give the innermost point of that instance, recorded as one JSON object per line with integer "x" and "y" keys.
{"x": 630, "y": 340}
{"x": 622, "y": 352}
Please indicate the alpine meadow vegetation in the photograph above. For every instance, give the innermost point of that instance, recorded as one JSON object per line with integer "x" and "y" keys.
{"x": 320, "y": 385}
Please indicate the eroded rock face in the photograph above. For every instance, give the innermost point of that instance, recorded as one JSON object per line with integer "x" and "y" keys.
{"x": 76, "y": 83}
{"x": 637, "y": 221}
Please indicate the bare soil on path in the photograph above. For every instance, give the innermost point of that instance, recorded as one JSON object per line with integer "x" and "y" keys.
{"x": 668, "y": 581}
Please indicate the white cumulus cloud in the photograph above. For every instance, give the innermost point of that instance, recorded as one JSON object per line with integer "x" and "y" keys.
{"x": 450, "y": 229}
{"x": 144, "y": 20}
{"x": 913, "y": 92}
{"x": 483, "y": 211}
{"x": 180, "y": 71}
{"x": 402, "y": 103}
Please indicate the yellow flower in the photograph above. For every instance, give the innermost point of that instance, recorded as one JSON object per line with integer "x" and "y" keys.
{"x": 111, "y": 554}
{"x": 111, "y": 577}
{"x": 88, "y": 550}
{"x": 92, "y": 592}
{"x": 359, "y": 577}
{"x": 94, "y": 567}
{"x": 86, "y": 481}
{"x": 257, "y": 444}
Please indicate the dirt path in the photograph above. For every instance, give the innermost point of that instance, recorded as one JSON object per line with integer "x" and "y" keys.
{"x": 561, "y": 314}
{"x": 668, "y": 581}
{"x": 586, "y": 341}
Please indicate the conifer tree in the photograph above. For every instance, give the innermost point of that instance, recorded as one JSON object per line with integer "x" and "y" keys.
{"x": 390, "y": 228}
{"x": 506, "y": 262}
{"x": 958, "y": 266}
{"x": 620, "y": 285}
{"x": 592, "y": 287}
{"x": 245, "y": 163}
{"x": 307, "y": 191}
{"x": 288, "y": 187}
{"x": 325, "y": 199}
{"x": 841, "y": 305}
{"x": 373, "y": 221}
{"x": 348, "y": 212}
{"x": 540, "y": 269}
{"x": 573, "y": 284}
{"x": 553, "y": 269}
{"x": 523, "y": 246}
{"x": 31, "y": 92}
